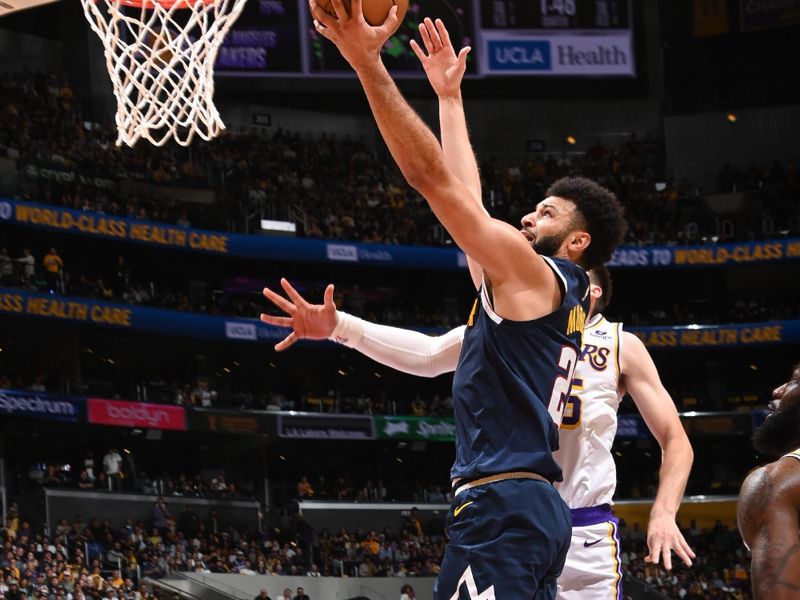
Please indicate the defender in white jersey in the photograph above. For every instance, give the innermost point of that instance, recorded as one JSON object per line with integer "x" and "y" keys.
{"x": 612, "y": 362}
{"x": 769, "y": 502}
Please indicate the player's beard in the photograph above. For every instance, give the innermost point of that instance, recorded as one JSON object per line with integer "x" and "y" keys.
{"x": 550, "y": 245}
{"x": 780, "y": 433}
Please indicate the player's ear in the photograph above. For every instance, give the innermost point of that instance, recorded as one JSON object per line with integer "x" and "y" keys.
{"x": 595, "y": 291}
{"x": 580, "y": 241}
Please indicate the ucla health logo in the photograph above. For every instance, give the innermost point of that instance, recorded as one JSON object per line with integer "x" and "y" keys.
{"x": 240, "y": 331}
{"x": 519, "y": 55}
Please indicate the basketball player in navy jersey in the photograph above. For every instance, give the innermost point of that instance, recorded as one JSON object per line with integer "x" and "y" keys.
{"x": 769, "y": 502}
{"x": 520, "y": 348}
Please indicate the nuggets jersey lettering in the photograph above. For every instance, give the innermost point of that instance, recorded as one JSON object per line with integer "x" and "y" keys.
{"x": 590, "y": 419}
{"x": 512, "y": 382}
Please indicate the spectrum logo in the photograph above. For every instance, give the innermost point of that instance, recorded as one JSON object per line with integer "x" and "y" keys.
{"x": 519, "y": 55}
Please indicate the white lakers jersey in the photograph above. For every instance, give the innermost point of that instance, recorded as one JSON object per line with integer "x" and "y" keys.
{"x": 590, "y": 419}
{"x": 792, "y": 454}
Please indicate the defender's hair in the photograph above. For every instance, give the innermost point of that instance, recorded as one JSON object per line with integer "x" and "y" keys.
{"x": 601, "y": 277}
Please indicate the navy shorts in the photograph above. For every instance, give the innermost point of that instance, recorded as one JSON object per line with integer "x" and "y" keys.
{"x": 511, "y": 536}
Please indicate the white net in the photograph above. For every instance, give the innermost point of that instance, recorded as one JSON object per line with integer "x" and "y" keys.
{"x": 160, "y": 55}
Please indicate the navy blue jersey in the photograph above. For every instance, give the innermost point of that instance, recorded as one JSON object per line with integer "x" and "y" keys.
{"x": 513, "y": 380}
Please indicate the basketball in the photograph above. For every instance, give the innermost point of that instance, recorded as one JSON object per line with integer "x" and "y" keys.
{"x": 375, "y": 11}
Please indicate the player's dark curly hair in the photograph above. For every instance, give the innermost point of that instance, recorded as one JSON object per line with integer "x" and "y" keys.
{"x": 602, "y": 216}
{"x": 600, "y": 276}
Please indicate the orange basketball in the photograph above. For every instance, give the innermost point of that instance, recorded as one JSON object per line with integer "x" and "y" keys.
{"x": 375, "y": 11}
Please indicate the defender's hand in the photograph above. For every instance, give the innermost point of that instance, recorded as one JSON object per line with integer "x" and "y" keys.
{"x": 444, "y": 69}
{"x": 359, "y": 42}
{"x": 308, "y": 321}
{"x": 663, "y": 538}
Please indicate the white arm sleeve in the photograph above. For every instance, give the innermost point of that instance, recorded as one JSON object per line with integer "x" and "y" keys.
{"x": 407, "y": 351}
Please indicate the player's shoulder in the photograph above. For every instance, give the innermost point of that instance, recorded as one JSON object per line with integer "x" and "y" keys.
{"x": 573, "y": 276}
{"x": 780, "y": 478}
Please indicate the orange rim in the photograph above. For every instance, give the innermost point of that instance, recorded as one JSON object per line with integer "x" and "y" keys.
{"x": 163, "y": 3}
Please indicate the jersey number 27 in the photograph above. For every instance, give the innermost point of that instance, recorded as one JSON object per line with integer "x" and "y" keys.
{"x": 562, "y": 384}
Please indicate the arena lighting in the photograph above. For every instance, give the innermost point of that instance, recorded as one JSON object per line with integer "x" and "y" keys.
{"x": 731, "y": 117}
{"x": 571, "y": 140}
{"x": 279, "y": 226}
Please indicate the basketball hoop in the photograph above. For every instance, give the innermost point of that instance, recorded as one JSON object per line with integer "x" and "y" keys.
{"x": 160, "y": 55}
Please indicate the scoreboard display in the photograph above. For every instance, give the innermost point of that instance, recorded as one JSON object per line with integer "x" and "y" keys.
{"x": 277, "y": 38}
{"x": 568, "y": 38}
{"x": 564, "y": 38}
{"x": 555, "y": 14}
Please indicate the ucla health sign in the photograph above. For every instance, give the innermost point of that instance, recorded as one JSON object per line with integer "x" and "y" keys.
{"x": 586, "y": 54}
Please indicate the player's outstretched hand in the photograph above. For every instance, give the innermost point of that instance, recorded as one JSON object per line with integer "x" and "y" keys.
{"x": 308, "y": 321}
{"x": 359, "y": 42}
{"x": 663, "y": 538}
{"x": 444, "y": 69}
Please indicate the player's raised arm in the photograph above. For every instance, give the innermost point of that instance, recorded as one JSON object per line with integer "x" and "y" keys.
{"x": 767, "y": 514}
{"x": 499, "y": 248}
{"x": 402, "y": 349}
{"x": 445, "y": 71}
{"x": 640, "y": 379}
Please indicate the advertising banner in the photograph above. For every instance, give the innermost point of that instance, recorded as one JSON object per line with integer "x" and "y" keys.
{"x": 40, "y": 405}
{"x": 219, "y": 421}
{"x": 119, "y": 413}
{"x": 325, "y": 427}
{"x": 765, "y": 14}
{"x": 161, "y": 235}
{"x": 416, "y": 428}
{"x": 719, "y": 336}
{"x": 706, "y": 256}
{"x": 135, "y": 318}
{"x": 93, "y": 224}
{"x": 585, "y": 54}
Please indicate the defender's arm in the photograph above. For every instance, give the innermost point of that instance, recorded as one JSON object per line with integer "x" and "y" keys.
{"x": 640, "y": 379}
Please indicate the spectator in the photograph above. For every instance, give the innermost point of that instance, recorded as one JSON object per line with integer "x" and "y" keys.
{"x": 161, "y": 516}
{"x": 53, "y": 265}
{"x": 287, "y": 594}
{"x": 6, "y": 267}
{"x": 301, "y": 595}
{"x": 84, "y": 482}
{"x": 112, "y": 463}
{"x": 304, "y": 489}
{"x": 407, "y": 592}
{"x": 28, "y": 266}
{"x": 263, "y": 595}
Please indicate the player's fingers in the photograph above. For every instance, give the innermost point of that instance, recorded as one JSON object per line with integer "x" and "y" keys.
{"x": 321, "y": 16}
{"x": 293, "y": 294}
{"x": 418, "y": 51}
{"x": 667, "y": 554}
{"x": 278, "y": 321}
{"x": 462, "y": 56}
{"x": 443, "y": 34}
{"x": 681, "y": 553}
{"x": 426, "y": 38}
{"x": 655, "y": 551}
{"x": 686, "y": 547}
{"x": 356, "y": 10}
{"x": 390, "y": 24}
{"x": 437, "y": 41}
{"x": 327, "y": 298}
{"x": 341, "y": 13}
{"x": 280, "y": 301}
{"x": 286, "y": 342}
